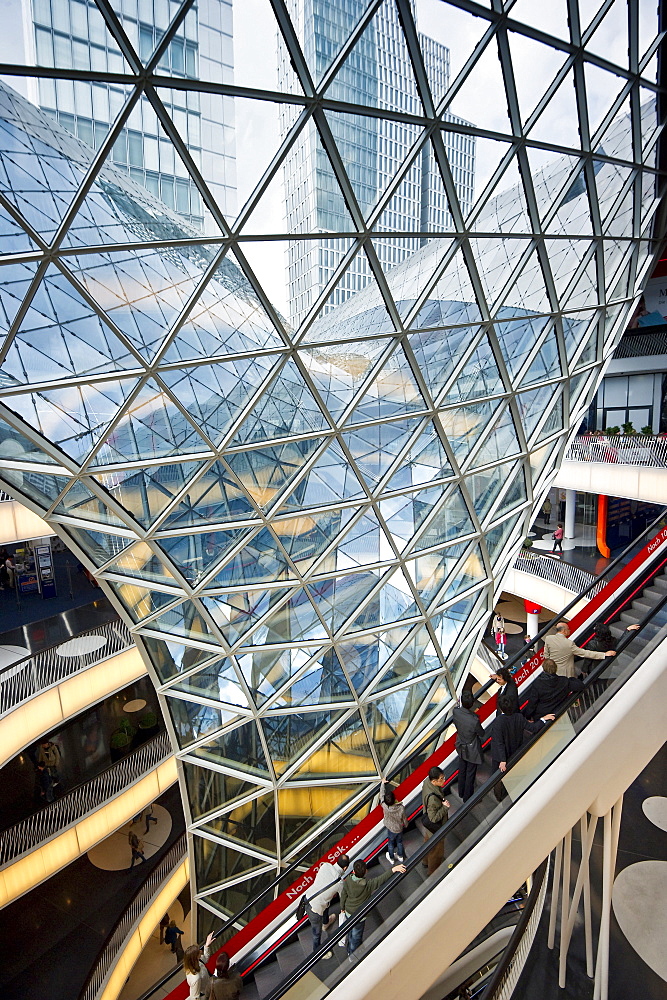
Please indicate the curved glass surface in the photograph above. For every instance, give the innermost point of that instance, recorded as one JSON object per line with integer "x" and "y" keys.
{"x": 302, "y": 500}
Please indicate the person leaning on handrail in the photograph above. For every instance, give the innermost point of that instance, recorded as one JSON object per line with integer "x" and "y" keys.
{"x": 196, "y": 973}
{"x": 356, "y": 891}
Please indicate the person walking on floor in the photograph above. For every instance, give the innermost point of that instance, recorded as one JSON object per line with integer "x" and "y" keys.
{"x": 509, "y": 731}
{"x": 171, "y": 936}
{"x": 137, "y": 847}
{"x": 196, "y": 974}
{"x": 328, "y": 883}
{"x": 559, "y": 647}
{"x": 395, "y": 823}
{"x": 434, "y": 815}
{"x": 164, "y": 923}
{"x": 150, "y": 818}
{"x": 226, "y": 982}
{"x": 499, "y": 634}
{"x": 45, "y": 783}
{"x": 357, "y": 890}
{"x": 558, "y": 540}
{"x": 469, "y": 736}
{"x": 546, "y": 510}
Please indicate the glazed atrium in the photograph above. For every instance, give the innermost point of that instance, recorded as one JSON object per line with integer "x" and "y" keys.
{"x": 296, "y": 332}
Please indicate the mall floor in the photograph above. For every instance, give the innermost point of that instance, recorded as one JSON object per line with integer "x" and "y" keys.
{"x": 638, "y": 967}
{"x": 51, "y": 936}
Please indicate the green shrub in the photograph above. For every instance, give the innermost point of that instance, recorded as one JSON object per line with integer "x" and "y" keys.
{"x": 647, "y": 430}
{"x": 528, "y": 543}
{"x": 613, "y": 430}
{"x": 148, "y": 721}
{"x": 119, "y": 738}
{"x": 628, "y": 428}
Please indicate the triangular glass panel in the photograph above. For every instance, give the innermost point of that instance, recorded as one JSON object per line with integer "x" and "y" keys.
{"x": 291, "y": 737}
{"x": 13, "y": 238}
{"x": 464, "y": 425}
{"x": 142, "y": 291}
{"x": 338, "y": 598}
{"x": 241, "y": 749}
{"x": 559, "y": 121}
{"x": 485, "y": 77}
{"x": 551, "y": 18}
{"x": 80, "y": 501}
{"x": 153, "y": 427}
{"x": 602, "y": 90}
{"x": 267, "y": 670}
{"x": 506, "y": 209}
{"x": 610, "y": 38}
{"x": 450, "y": 623}
{"x": 16, "y": 279}
{"x": 232, "y": 869}
{"x": 330, "y": 480}
{"x": 41, "y": 165}
{"x": 469, "y": 572}
{"x": 437, "y": 354}
{"x": 392, "y": 393}
{"x": 619, "y": 216}
{"x": 527, "y": 293}
{"x": 452, "y": 299}
{"x": 216, "y": 496}
{"x": 216, "y": 394}
{"x": 565, "y": 255}
{"x": 217, "y": 680}
{"x": 307, "y": 536}
{"x": 295, "y": 620}
{"x": 584, "y": 292}
{"x": 389, "y": 717}
{"x": 140, "y": 602}
{"x": 15, "y": 445}
{"x": 208, "y": 790}
{"x": 552, "y": 174}
{"x": 261, "y": 560}
{"x": 354, "y": 308}
{"x": 478, "y": 377}
{"x": 286, "y": 408}
{"x": 375, "y": 448}
{"x": 450, "y": 521}
{"x": 195, "y": 555}
{"x": 186, "y": 620}
{"x": 555, "y": 420}
{"x": 142, "y": 562}
{"x": 575, "y": 326}
{"x": 364, "y": 656}
{"x": 98, "y": 545}
{"x": 145, "y": 493}
{"x": 322, "y": 41}
{"x": 394, "y": 601}
{"x": 418, "y": 657}
{"x": 546, "y": 363}
{"x": 339, "y": 371}
{"x": 534, "y": 65}
{"x": 404, "y": 514}
{"x": 531, "y": 408}
{"x": 235, "y": 614}
{"x": 310, "y": 265}
{"x": 424, "y": 462}
{"x": 489, "y": 153}
{"x": 404, "y": 213}
{"x": 484, "y": 487}
{"x": 409, "y": 275}
{"x": 265, "y": 472}
{"x": 171, "y": 658}
{"x": 363, "y": 544}
{"x": 501, "y": 441}
{"x": 573, "y": 216}
{"x": 62, "y": 335}
{"x": 515, "y": 493}
{"x": 496, "y": 538}
{"x": 540, "y": 457}
{"x": 76, "y": 417}
{"x": 323, "y": 683}
{"x": 429, "y": 572}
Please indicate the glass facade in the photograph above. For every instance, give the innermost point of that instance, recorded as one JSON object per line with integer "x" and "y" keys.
{"x": 305, "y": 523}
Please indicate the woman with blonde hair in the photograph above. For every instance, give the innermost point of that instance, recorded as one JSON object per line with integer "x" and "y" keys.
{"x": 196, "y": 973}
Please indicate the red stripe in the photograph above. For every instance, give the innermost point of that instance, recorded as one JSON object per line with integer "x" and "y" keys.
{"x": 366, "y": 825}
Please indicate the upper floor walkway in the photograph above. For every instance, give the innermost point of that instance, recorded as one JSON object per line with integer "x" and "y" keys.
{"x": 639, "y": 464}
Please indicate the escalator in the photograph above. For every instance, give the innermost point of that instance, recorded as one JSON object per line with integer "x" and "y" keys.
{"x": 273, "y": 949}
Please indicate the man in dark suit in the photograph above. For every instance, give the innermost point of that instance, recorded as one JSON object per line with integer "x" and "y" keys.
{"x": 549, "y": 691}
{"x": 509, "y": 731}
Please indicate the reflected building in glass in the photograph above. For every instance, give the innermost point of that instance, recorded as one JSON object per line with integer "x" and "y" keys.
{"x": 376, "y": 73}
{"x": 306, "y": 525}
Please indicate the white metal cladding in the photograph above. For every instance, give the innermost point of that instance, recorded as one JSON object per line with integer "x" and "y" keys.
{"x": 303, "y": 524}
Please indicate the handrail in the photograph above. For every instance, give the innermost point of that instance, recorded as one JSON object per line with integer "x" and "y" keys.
{"x": 619, "y": 449}
{"x": 558, "y": 571}
{"x": 578, "y": 698}
{"x": 505, "y": 967}
{"x": 114, "y": 942}
{"x": 513, "y": 661}
{"x": 33, "y": 674}
{"x": 72, "y": 807}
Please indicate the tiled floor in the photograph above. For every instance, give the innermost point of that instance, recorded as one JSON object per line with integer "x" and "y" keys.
{"x": 36, "y": 635}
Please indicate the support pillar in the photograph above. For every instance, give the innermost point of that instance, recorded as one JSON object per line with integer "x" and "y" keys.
{"x": 570, "y": 511}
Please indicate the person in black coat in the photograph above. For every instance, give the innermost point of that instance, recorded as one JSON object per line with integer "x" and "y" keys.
{"x": 549, "y": 691}
{"x": 509, "y": 731}
{"x": 508, "y": 686}
{"x": 469, "y": 736}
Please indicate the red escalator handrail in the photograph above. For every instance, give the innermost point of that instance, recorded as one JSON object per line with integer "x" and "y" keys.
{"x": 407, "y": 787}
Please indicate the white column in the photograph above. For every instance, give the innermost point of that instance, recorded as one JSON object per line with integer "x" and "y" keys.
{"x": 532, "y": 625}
{"x": 570, "y": 508}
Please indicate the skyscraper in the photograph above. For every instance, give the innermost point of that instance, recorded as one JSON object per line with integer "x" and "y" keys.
{"x": 72, "y": 33}
{"x": 378, "y": 72}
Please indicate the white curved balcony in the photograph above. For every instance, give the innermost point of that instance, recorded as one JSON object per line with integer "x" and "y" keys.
{"x": 639, "y": 465}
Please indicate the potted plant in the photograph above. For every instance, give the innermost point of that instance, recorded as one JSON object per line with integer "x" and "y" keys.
{"x": 119, "y": 743}
{"x": 613, "y": 431}
{"x": 148, "y": 725}
{"x": 647, "y": 430}
{"x": 628, "y": 428}
{"x": 526, "y": 547}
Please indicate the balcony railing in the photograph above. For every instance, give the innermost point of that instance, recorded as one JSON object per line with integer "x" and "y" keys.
{"x": 27, "y": 677}
{"x": 131, "y": 915}
{"x": 564, "y": 574}
{"x": 631, "y": 449}
{"x": 72, "y": 807}
{"x": 642, "y": 345}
